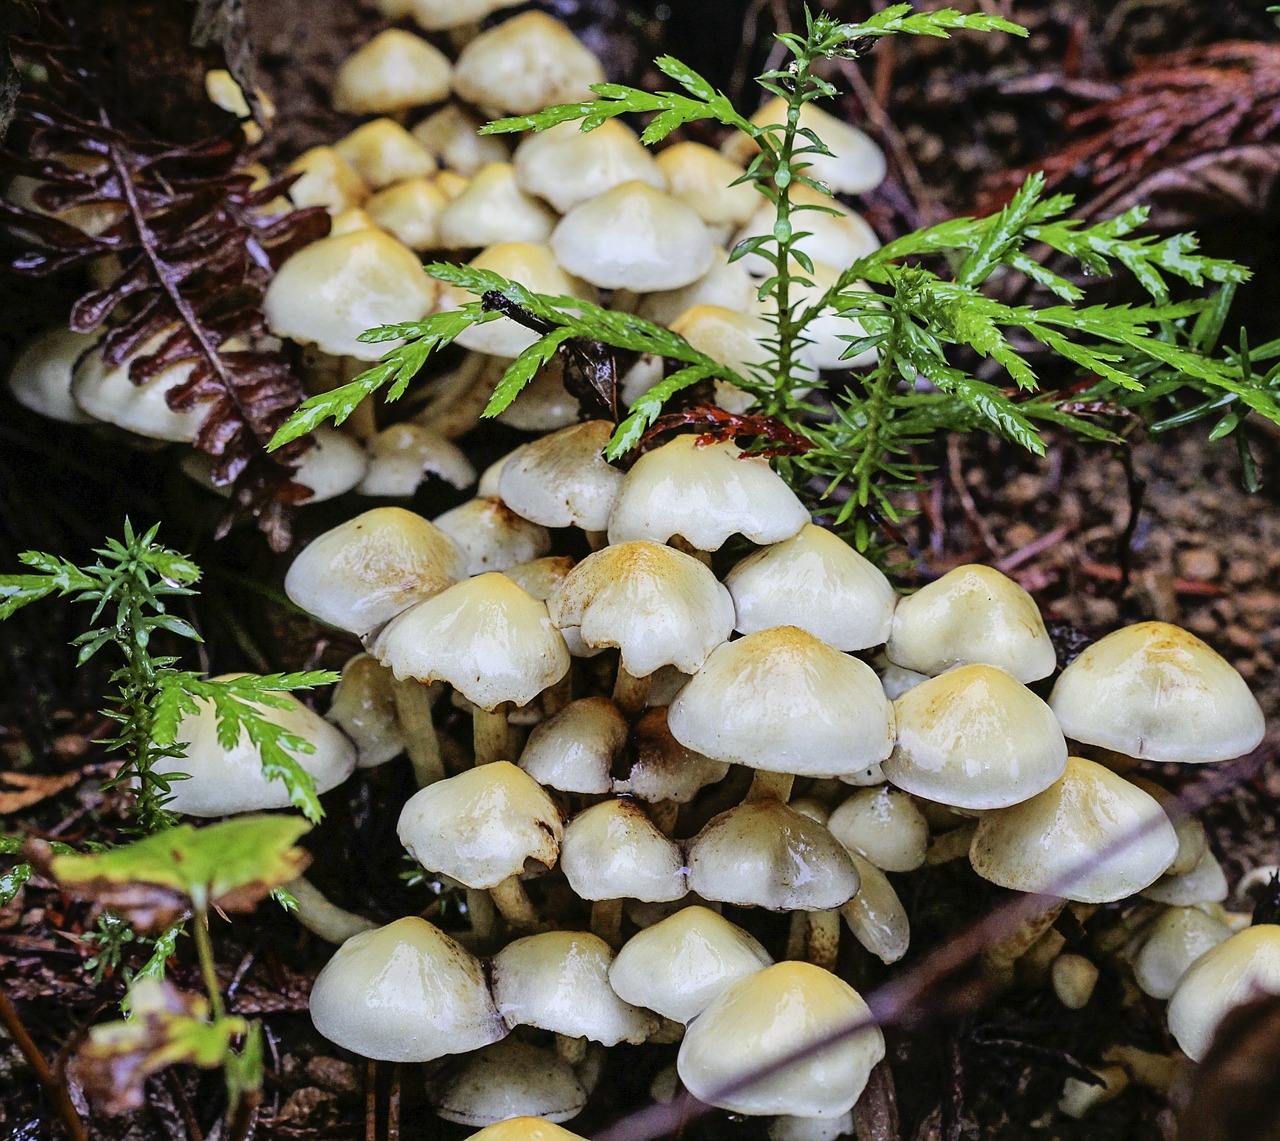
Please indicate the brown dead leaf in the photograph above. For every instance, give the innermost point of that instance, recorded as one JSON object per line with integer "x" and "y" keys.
{"x": 26, "y": 789}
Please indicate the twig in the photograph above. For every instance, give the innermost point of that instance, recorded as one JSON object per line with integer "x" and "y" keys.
{"x": 1032, "y": 549}
{"x": 53, "y": 1087}
{"x": 371, "y": 1100}
{"x": 1124, "y": 545}
{"x": 955, "y": 472}
{"x": 184, "y": 1106}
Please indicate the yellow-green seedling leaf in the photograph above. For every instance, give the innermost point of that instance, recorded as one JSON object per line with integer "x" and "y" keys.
{"x": 166, "y": 1026}
{"x": 231, "y": 866}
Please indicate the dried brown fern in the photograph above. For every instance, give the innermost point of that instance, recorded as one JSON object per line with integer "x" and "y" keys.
{"x": 195, "y": 250}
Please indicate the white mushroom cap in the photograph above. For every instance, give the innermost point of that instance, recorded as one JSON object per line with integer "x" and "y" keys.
{"x": 1091, "y": 837}
{"x": 1180, "y": 936}
{"x": 704, "y": 494}
{"x": 563, "y": 479}
{"x": 974, "y": 737}
{"x": 544, "y": 404}
{"x": 855, "y": 164}
{"x": 574, "y": 750}
{"x": 332, "y": 466}
{"x": 405, "y": 992}
{"x": 1156, "y": 691}
{"x": 766, "y": 1017}
{"x": 663, "y": 768}
{"x": 559, "y": 981}
{"x": 837, "y": 239}
{"x": 410, "y": 212}
{"x": 633, "y": 237}
{"x": 726, "y": 285}
{"x": 1243, "y": 968}
{"x": 106, "y": 393}
{"x": 612, "y": 850}
{"x": 326, "y": 179}
{"x": 508, "y": 1079}
{"x": 1204, "y": 883}
{"x": 679, "y": 965}
{"x": 876, "y": 915}
{"x": 884, "y": 825}
{"x": 525, "y": 64}
{"x": 541, "y": 577}
{"x": 494, "y": 209}
{"x": 481, "y": 826}
{"x": 491, "y": 536}
{"x": 783, "y": 701}
{"x": 371, "y": 568}
{"x": 972, "y": 614}
{"x": 442, "y": 15}
{"x": 486, "y": 637}
{"x": 452, "y": 134}
{"x": 335, "y": 289}
{"x": 40, "y": 378}
{"x": 815, "y": 581}
{"x": 792, "y": 1128}
{"x": 364, "y": 708}
{"x": 223, "y": 781}
{"x": 533, "y": 266}
{"x": 658, "y": 606}
{"x": 394, "y": 71}
{"x": 383, "y": 152}
{"x": 566, "y": 165}
{"x": 402, "y": 456}
{"x": 764, "y": 854}
{"x": 704, "y": 179}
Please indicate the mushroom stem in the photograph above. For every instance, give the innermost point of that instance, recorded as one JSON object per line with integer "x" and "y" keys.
{"x": 824, "y": 939}
{"x": 556, "y": 697}
{"x": 513, "y": 901}
{"x": 483, "y": 915}
{"x": 490, "y": 735}
{"x": 681, "y": 544}
{"x": 664, "y": 814}
{"x": 597, "y": 540}
{"x": 1120, "y": 763}
{"x": 413, "y": 711}
{"x": 330, "y": 922}
{"x": 606, "y": 921}
{"x": 952, "y": 845}
{"x": 797, "y": 936}
{"x": 1018, "y": 942}
{"x": 770, "y": 786}
{"x": 362, "y": 423}
{"x": 572, "y": 1050}
{"x": 630, "y": 692}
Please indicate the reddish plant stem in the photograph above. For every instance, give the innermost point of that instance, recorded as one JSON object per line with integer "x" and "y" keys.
{"x": 52, "y": 1085}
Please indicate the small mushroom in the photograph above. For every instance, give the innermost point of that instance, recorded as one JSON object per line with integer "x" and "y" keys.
{"x": 566, "y": 166}
{"x": 393, "y": 72}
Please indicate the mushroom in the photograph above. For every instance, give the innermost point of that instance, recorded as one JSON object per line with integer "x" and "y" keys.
{"x": 402, "y": 456}
{"x": 491, "y": 536}
{"x": 508, "y": 1079}
{"x": 566, "y": 166}
{"x": 664, "y": 772}
{"x": 325, "y": 179}
{"x": 825, "y": 231}
{"x": 410, "y": 212}
{"x": 393, "y": 72}
{"x": 1177, "y": 940}
{"x": 764, "y": 1019}
{"x": 710, "y": 183}
{"x": 726, "y": 285}
{"x": 493, "y": 209}
{"x": 333, "y": 465}
{"x": 40, "y": 377}
{"x": 363, "y": 706}
{"x": 1155, "y": 691}
{"x": 445, "y": 15}
{"x": 525, "y": 1129}
{"x": 482, "y": 828}
{"x": 883, "y": 825}
{"x": 971, "y": 615}
{"x": 405, "y": 992}
{"x": 452, "y": 134}
{"x": 573, "y": 750}
{"x": 681, "y": 964}
{"x": 658, "y": 606}
{"x": 875, "y": 915}
{"x": 383, "y": 152}
{"x": 1237, "y": 970}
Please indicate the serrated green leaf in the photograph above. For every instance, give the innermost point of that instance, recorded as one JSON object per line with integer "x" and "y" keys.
{"x": 521, "y": 370}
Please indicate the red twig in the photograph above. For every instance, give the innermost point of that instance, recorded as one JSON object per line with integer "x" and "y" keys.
{"x": 52, "y": 1085}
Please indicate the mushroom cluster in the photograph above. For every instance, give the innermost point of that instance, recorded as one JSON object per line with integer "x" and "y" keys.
{"x": 663, "y": 729}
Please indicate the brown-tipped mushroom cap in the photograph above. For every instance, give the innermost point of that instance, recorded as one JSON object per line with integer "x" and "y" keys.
{"x": 765, "y": 1018}
{"x": 486, "y": 637}
{"x": 405, "y": 992}
{"x": 563, "y": 479}
{"x": 525, "y": 64}
{"x": 1091, "y": 836}
{"x": 559, "y": 981}
{"x": 566, "y": 165}
{"x": 664, "y": 769}
{"x": 815, "y": 581}
{"x": 974, "y": 737}
{"x": 482, "y": 826}
{"x": 1156, "y": 691}
{"x": 681, "y": 964}
{"x": 764, "y": 854}
{"x": 783, "y": 701}
{"x": 972, "y": 614}
{"x": 394, "y": 71}
{"x": 491, "y": 536}
{"x": 612, "y": 850}
{"x": 704, "y": 494}
{"x": 574, "y": 750}
{"x": 335, "y": 289}
{"x": 633, "y": 237}
{"x": 371, "y": 568}
{"x": 658, "y": 606}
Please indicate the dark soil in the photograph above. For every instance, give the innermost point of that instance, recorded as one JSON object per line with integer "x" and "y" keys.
{"x": 1201, "y": 552}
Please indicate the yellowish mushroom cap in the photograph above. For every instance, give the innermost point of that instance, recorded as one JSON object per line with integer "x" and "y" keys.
{"x": 492, "y": 537}
{"x": 337, "y": 288}
{"x": 704, "y": 179}
{"x": 566, "y": 165}
{"x": 525, "y": 64}
{"x": 364, "y": 708}
{"x": 441, "y": 15}
{"x": 394, "y": 71}
{"x": 1091, "y": 836}
{"x": 573, "y": 750}
{"x": 452, "y": 135}
{"x": 403, "y": 455}
{"x": 885, "y": 826}
{"x": 525, "y": 1129}
{"x": 494, "y": 209}
{"x": 837, "y": 239}
{"x": 612, "y": 850}
{"x": 1156, "y": 691}
{"x": 764, "y": 1018}
{"x": 326, "y": 179}
{"x": 410, "y": 212}
{"x": 1178, "y": 938}
{"x": 383, "y": 152}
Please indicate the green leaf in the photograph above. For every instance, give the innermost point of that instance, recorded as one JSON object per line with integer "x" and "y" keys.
{"x": 11, "y": 883}
{"x": 230, "y": 865}
{"x": 648, "y": 407}
{"x": 522, "y": 370}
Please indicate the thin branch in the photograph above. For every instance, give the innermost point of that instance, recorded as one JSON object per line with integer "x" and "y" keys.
{"x": 49, "y": 1081}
